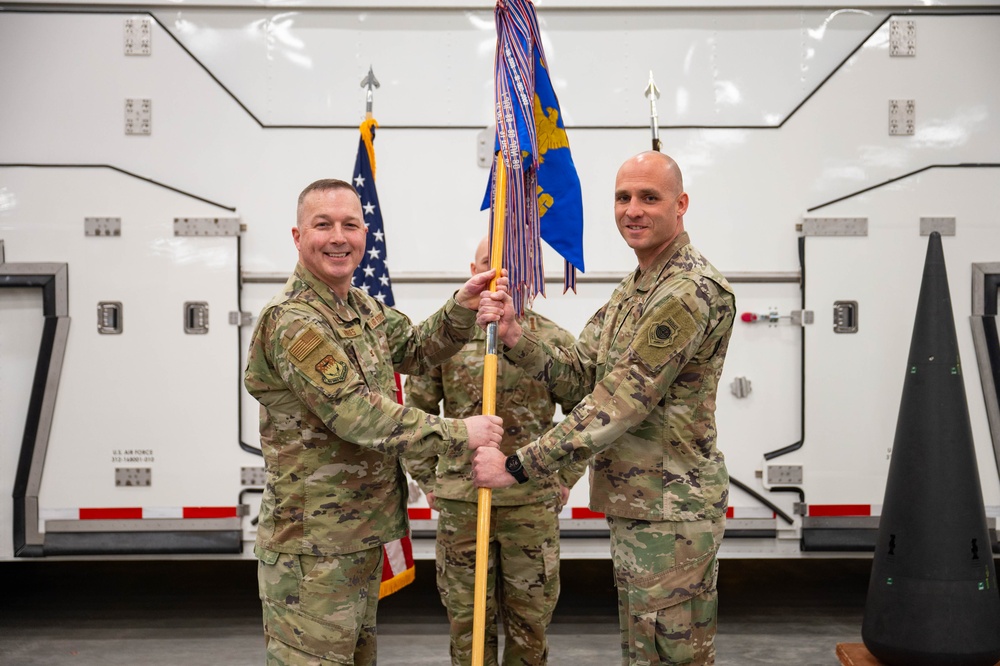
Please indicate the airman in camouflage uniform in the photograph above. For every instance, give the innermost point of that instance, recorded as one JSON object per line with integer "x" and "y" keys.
{"x": 646, "y": 371}
{"x": 321, "y": 365}
{"x": 523, "y": 577}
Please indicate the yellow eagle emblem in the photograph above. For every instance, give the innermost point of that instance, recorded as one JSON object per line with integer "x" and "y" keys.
{"x": 550, "y": 136}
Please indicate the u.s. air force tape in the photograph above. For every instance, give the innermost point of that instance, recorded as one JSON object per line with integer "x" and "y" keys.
{"x": 669, "y": 328}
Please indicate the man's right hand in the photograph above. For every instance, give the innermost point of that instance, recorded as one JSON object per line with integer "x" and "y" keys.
{"x": 498, "y": 306}
{"x": 484, "y": 430}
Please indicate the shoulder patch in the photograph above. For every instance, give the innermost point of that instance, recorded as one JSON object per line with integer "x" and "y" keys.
{"x": 331, "y": 370}
{"x": 307, "y": 342}
{"x": 669, "y": 328}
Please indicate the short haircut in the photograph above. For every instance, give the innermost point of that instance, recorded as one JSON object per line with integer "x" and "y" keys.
{"x": 327, "y": 184}
{"x": 323, "y": 185}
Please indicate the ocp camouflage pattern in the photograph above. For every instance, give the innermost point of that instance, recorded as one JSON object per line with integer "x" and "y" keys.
{"x": 331, "y": 432}
{"x": 646, "y": 371}
{"x": 525, "y": 405}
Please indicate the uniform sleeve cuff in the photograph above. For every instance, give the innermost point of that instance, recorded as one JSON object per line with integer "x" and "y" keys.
{"x": 457, "y": 440}
{"x": 461, "y": 317}
{"x": 525, "y": 349}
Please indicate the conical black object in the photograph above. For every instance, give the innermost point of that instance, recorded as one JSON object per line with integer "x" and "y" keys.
{"x": 933, "y": 597}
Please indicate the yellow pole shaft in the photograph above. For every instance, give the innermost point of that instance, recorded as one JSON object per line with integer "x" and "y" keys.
{"x": 489, "y": 407}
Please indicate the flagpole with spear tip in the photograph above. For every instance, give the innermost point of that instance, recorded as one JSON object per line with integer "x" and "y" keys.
{"x": 653, "y": 94}
{"x": 485, "y": 497}
{"x": 369, "y": 82}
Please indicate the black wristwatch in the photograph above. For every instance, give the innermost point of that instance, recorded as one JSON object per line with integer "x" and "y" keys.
{"x": 515, "y": 468}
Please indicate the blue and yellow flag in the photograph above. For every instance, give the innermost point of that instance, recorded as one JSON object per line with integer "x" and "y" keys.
{"x": 543, "y": 197}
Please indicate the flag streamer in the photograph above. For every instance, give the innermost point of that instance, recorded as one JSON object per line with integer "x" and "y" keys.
{"x": 543, "y": 197}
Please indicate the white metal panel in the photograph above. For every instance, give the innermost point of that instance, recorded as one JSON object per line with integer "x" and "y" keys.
{"x": 542, "y": 4}
{"x": 62, "y": 103}
{"x": 855, "y": 381}
{"x": 151, "y": 388}
{"x": 303, "y": 68}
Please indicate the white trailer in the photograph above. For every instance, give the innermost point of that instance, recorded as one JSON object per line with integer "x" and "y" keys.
{"x": 150, "y": 156}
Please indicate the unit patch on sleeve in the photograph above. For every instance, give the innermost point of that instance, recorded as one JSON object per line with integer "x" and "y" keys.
{"x": 670, "y": 327}
{"x": 323, "y": 362}
{"x": 331, "y": 370}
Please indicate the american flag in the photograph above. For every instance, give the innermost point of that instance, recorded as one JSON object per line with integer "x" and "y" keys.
{"x": 372, "y": 275}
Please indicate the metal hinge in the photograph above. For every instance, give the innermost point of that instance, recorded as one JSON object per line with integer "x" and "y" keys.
{"x": 834, "y": 226}
{"x": 802, "y": 317}
{"x": 208, "y": 226}
{"x": 240, "y": 318}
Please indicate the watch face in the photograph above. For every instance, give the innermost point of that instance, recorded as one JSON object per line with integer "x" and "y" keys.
{"x": 513, "y": 464}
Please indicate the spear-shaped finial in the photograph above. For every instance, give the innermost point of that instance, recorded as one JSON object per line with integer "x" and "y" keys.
{"x": 653, "y": 94}
{"x": 369, "y": 82}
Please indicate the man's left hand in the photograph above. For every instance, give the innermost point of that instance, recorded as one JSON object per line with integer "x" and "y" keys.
{"x": 468, "y": 295}
{"x": 488, "y": 470}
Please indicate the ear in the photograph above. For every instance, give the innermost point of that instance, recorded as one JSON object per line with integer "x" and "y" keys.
{"x": 682, "y": 203}
{"x": 472, "y": 268}
{"x": 295, "y": 237}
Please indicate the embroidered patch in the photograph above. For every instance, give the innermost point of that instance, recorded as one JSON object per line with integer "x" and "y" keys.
{"x": 307, "y": 342}
{"x": 669, "y": 329}
{"x": 661, "y": 333}
{"x": 350, "y": 332}
{"x": 376, "y": 320}
{"x": 532, "y": 323}
{"x": 332, "y": 370}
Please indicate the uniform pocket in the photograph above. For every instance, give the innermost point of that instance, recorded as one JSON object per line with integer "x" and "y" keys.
{"x": 308, "y": 634}
{"x": 673, "y": 613}
{"x": 299, "y": 609}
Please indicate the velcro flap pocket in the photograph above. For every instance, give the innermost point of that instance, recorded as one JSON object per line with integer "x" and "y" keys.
{"x": 309, "y": 634}
{"x": 264, "y": 555}
{"x": 668, "y": 588}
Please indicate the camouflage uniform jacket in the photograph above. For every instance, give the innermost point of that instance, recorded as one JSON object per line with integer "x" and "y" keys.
{"x": 524, "y": 404}
{"x": 645, "y": 370}
{"x": 330, "y": 428}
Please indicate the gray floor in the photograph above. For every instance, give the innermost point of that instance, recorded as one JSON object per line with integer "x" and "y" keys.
{"x": 196, "y": 612}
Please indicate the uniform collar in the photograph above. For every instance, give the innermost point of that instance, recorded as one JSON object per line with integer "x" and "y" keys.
{"x": 343, "y": 310}
{"x": 646, "y": 279}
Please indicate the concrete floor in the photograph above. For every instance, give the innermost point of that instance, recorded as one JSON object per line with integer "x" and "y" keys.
{"x": 790, "y": 612}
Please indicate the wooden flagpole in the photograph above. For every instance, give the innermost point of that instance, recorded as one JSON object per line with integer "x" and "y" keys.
{"x": 489, "y": 408}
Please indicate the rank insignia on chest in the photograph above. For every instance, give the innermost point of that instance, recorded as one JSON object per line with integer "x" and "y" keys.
{"x": 332, "y": 370}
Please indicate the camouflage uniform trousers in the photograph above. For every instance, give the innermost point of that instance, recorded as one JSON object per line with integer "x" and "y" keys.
{"x": 320, "y": 611}
{"x": 523, "y": 562}
{"x": 666, "y": 575}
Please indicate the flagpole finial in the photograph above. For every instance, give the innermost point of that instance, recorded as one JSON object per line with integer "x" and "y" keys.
{"x": 369, "y": 82}
{"x": 652, "y": 94}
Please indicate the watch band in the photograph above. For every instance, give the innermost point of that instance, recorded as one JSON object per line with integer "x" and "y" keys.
{"x": 515, "y": 468}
